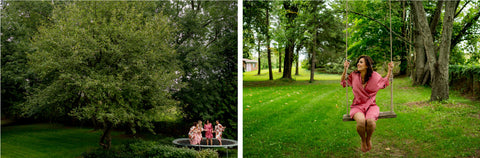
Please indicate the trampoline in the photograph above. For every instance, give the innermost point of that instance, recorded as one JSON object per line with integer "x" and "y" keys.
{"x": 226, "y": 143}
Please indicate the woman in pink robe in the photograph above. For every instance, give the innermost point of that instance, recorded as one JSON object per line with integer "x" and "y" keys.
{"x": 191, "y": 133}
{"x": 218, "y": 131}
{"x": 365, "y": 84}
{"x": 198, "y": 133}
{"x": 208, "y": 132}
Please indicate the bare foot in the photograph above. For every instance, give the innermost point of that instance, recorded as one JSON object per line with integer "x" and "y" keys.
{"x": 364, "y": 146}
{"x": 369, "y": 145}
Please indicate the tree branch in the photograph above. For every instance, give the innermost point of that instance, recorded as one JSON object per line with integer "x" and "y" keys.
{"x": 464, "y": 30}
{"x": 385, "y": 26}
{"x": 436, "y": 18}
{"x": 466, "y": 3}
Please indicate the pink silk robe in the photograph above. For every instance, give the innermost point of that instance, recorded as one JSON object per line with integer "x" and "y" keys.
{"x": 198, "y": 135}
{"x": 208, "y": 130}
{"x": 364, "y": 97}
{"x": 191, "y": 135}
{"x": 218, "y": 131}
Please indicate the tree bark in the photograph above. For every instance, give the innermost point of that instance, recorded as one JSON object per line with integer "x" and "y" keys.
{"x": 279, "y": 61}
{"x": 259, "y": 62}
{"x": 270, "y": 74}
{"x": 440, "y": 82}
{"x": 436, "y": 18}
{"x": 314, "y": 48}
{"x": 426, "y": 36}
{"x": 298, "y": 59}
{"x": 420, "y": 52}
{"x": 106, "y": 139}
{"x": 287, "y": 69}
{"x": 438, "y": 68}
{"x": 287, "y": 64}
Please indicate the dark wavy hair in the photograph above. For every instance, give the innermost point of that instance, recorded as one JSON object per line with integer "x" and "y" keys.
{"x": 369, "y": 63}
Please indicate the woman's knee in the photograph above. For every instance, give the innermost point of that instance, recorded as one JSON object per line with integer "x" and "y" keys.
{"x": 360, "y": 122}
{"x": 371, "y": 123}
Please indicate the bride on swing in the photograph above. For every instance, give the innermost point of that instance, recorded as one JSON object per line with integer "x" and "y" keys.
{"x": 365, "y": 84}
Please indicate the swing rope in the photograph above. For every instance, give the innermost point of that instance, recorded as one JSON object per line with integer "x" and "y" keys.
{"x": 390, "y": 114}
{"x": 346, "y": 50}
{"x": 391, "y": 58}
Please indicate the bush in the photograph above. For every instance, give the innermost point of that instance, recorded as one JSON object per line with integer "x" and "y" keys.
{"x": 207, "y": 153}
{"x": 149, "y": 149}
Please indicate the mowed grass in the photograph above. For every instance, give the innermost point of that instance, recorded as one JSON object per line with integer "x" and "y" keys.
{"x": 51, "y": 140}
{"x": 301, "y": 119}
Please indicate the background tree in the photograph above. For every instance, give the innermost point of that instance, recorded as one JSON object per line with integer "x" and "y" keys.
{"x": 20, "y": 21}
{"x": 438, "y": 66}
{"x": 256, "y": 17}
{"x": 207, "y": 48}
{"x": 290, "y": 12}
{"x": 107, "y": 61}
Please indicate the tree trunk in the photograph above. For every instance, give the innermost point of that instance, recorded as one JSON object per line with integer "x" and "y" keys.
{"x": 287, "y": 64}
{"x": 270, "y": 74}
{"x": 279, "y": 61}
{"x": 259, "y": 62}
{"x": 438, "y": 70}
{"x": 298, "y": 59}
{"x": 436, "y": 18}
{"x": 405, "y": 56}
{"x": 287, "y": 68}
{"x": 420, "y": 52}
{"x": 440, "y": 81}
{"x": 106, "y": 139}
{"x": 314, "y": 50}
{"x": 426, "y": 36}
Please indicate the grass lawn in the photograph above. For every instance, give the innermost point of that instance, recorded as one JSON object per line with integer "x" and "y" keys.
{"x": 299, "y": 119}
{"x": 51, "y": 140}
{"x": 54, "y": 140}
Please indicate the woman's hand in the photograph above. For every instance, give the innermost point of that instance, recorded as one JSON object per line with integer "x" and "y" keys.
{"x": 346, "y": 64}
{"x": 390, "y": 66}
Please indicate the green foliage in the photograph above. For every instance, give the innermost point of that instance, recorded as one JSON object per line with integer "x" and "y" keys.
{"x": 367, "y": 37}
{"x": 20, "y": 21}
{"x": 464, "y": 71}
{"x": 105, "y": 61}
{"x": 207, "y": 153}
{"x": 304, "y": 75}
{"x": 141, "y": 148}
{"x": 210, "y": 63}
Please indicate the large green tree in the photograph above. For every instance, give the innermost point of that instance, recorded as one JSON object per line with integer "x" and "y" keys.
{"x": 206, "y": 45}
{"x": 111, "y": 62}
{"x": 257, "y": 19}
{"x": 437, "y": 65}
{"x": 20, "y": 21}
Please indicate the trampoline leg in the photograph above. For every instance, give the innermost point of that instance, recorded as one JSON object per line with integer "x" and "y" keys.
{"x": 227, "y": 152}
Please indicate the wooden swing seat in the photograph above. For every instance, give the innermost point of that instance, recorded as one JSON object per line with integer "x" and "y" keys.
{"x": 383, "y": 115}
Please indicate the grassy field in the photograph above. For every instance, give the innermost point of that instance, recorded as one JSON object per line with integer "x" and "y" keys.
{"x": 54, "y": 140}
{"x": 299, "y": 119}
{"x": 50, "y": 140}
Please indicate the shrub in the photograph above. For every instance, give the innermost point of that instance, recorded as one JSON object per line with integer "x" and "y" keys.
{"x": 207, "y": 153}
{"x": 141, "y": 148}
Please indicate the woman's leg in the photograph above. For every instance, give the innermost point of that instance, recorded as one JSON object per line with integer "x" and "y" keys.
{"x": 360, "y": 118}
{"x": 371, "y": 118}
{"x": 371, "y": 125}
